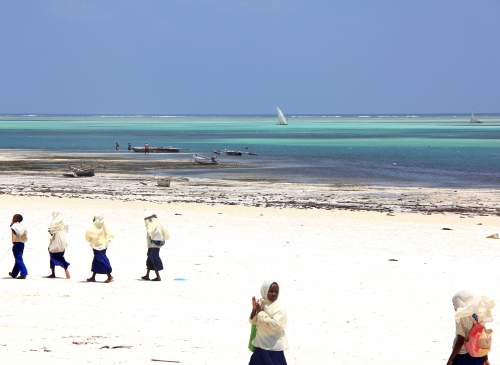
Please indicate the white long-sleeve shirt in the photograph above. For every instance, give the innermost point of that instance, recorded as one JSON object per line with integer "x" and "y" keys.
{"x": 271, "y": 323}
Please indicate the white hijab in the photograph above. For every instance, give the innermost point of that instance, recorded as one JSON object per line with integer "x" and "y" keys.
{"x": 467, "y": 303}
{"x": 57, "y": 224}
{"x": 98, "y": 234}
{"x": 155, "y": 229}
{"x": 276, "y": 310}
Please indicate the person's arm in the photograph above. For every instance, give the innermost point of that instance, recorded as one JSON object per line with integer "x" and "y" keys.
{"x": 253, "y": 319}
{"x": 277, "y": 323}
{"x": 486, "y": 361}
{"x": 456, "y": 349}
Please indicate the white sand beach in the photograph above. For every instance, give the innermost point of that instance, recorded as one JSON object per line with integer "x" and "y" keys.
{"x": 347, "y": 302}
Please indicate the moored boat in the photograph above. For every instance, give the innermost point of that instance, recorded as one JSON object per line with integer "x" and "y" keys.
{"x": 204, "y": 160}
{"x": 157, "y": 149}
{"x": 233, "y": 153}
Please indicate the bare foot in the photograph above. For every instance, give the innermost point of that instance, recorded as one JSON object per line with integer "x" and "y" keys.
{"x": 51, "y": 276}
{"x": 145, "y": 277}
{"x": 110, "y": 279}
{"x": 156, "y": 279}
{"x": 91, "y": 280}
{"x": 68, "y": 276}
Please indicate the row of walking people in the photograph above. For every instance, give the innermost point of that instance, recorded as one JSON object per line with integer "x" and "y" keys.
{"x": 99, "y": 237}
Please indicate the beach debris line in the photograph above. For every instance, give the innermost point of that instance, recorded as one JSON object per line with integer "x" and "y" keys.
{"x": 393, "y": 260}
{"x": 173, "y": 361}
{"x": 447, "y": 229}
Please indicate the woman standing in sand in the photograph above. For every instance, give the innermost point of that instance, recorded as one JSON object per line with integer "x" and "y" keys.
{"x": 19, "y": 238}
{"x": 468, "y": 305}
{"x": 155, "y": 238}
{"x": 99, "y": 237}
{"x": 269, "y": 316}
{"x": 57, "y": 246}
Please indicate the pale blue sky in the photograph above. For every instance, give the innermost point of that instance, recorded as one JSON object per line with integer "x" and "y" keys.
{"x": 247, "y": 57}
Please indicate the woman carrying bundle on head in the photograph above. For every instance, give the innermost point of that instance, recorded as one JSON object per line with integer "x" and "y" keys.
{"x": 269, "y": 318}
{"x": 57, "y": 246}
{"x": 99, "y": 237}
{"x": 472, "y": 340}
{"x": 155, "y": 238}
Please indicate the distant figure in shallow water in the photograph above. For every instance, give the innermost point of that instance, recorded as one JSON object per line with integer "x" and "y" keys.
{"x": 117, "y": 146}
{"x": 270, "y": 318}
{"x": 99, "y": 237}
{"x": 146, "y": 148}
{"x": 155, "y": 238}
{"x": 57, "y": 246}
{"x": 129, "y": 147}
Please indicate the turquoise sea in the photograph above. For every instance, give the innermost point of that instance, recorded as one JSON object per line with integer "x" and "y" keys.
{"x": 440, "y": 151}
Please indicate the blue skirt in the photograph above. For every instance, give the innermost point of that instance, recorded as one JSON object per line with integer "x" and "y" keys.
{"x": 466, "y": 359}
{"x": 267, "y": 357}
{"x": 154, "y": 261}
{"x": 100, "y": 263}
{"x": 57, "y": 259}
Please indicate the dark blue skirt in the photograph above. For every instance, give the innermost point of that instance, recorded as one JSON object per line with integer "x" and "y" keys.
{"x": 267, "y": 357}
{"x": 466, "y": 359}
{"x": 100, "y": 263}
{"x": 154, "y": 261}
{"x": 57, "y": 259}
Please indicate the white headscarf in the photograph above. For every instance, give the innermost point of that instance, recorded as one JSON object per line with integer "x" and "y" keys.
{"x": 57, "y": 224}
{"x": 467, "y": 303}
{"x": 156, "y": 231}
{"x": 98, "y": 234}
{"x": 272, "y": 308}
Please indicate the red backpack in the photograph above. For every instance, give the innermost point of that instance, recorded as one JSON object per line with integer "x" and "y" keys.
{"x": 479, "y": 342}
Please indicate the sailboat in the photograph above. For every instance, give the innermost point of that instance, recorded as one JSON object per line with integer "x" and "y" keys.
{"x": 473, "y": 119}
{"x": 281, "y": 118}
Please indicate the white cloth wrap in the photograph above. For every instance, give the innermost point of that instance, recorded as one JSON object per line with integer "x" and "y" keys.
{"x": 271, "y": 323}
{"x": 98, "y": 234}
{"x": 155, "y": 232}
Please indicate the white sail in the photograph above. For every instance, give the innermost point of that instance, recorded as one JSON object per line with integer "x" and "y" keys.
{"x": 281, "y": 118}
{"x": 474, "y": 119}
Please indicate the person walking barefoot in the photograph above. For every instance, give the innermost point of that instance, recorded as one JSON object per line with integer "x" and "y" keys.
{"x": 19, "y": 238}
{"x": 99, "y": 237}
{"x": 155, "y": 238}
{"x": 57, "y": 246}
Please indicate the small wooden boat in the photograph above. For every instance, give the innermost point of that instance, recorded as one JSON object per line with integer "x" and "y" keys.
{"x": 233, "y": 153}
{"x": 216, "y": 151}
{"x": 84, "y": 173}
{"x": 169, "y": 149}
{"x": 164, "y": 183}
{"x": 204, "y": 160}
{"x": 253, "y": 153}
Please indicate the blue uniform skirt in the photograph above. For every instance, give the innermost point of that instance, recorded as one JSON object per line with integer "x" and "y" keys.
{"x": 100, "y": 263}
{"x": 466, "y": 359}
{"x": 154, "y": 261}
{"x": 57, "y": 259}
{"x": 267, "y": 357}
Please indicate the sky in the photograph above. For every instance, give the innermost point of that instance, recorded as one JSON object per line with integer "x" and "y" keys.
{"x": 249, "y": 56}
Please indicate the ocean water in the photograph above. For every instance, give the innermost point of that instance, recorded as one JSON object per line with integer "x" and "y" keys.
{"x": 440, "y": 151}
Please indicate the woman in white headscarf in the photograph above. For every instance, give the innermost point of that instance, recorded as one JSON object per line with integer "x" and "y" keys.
{"x": 57, "y": 246}
{"x": 469, "y": 305}
{"x": 270, "y": 318}
{"x": 99, "y": 237}
{"x": 155, "y": 238}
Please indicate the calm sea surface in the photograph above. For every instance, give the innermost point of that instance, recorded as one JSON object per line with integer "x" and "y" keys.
{"x": 428, "y": 150}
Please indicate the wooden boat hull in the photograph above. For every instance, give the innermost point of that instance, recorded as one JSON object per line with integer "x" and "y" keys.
{"x": 234, "y": 153}
{"x": 157, "y": 149}
{"x": 84, "y": 173}
{"x": 163, "y": 183}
